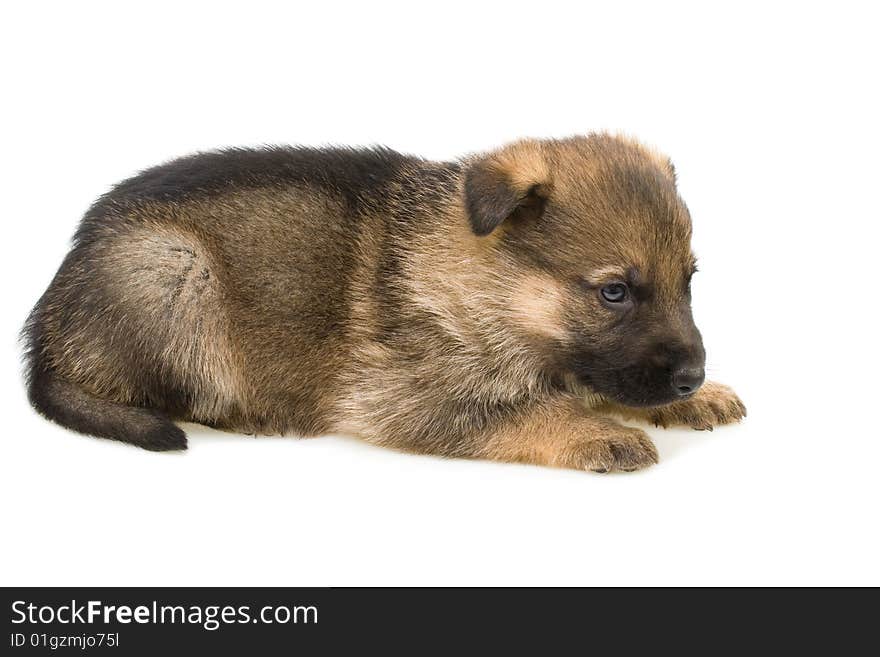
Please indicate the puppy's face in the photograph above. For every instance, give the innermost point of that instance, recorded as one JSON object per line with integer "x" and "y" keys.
{"x": 597, "y": 244}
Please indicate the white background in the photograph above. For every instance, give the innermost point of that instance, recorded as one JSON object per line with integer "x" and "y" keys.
{"x": 770, "y": 113}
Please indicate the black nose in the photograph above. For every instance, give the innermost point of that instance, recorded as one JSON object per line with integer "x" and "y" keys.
{"x": 687, "y": 379}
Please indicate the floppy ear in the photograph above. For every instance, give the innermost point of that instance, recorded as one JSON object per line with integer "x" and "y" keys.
{"x": 510, "y": 184}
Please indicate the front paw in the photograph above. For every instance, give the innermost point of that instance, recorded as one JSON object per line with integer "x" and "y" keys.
{"x": 712, "y": 405}
{"x": 620, "y": 449}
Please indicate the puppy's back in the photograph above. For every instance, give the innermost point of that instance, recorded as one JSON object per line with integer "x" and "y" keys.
{"x": 195, "y": 283}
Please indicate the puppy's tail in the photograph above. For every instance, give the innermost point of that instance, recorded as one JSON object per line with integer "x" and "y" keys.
{"x": 66, "y": 403}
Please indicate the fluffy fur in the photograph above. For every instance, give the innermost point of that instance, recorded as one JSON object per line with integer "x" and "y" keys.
{"x": 449, "y": 308}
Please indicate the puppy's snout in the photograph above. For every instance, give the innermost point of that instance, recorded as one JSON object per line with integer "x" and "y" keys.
{"x": 686, "y": 380}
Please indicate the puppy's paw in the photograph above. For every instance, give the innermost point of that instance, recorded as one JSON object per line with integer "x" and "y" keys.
{"x": 712, "y": 405}
{"x": 622, "y": 449}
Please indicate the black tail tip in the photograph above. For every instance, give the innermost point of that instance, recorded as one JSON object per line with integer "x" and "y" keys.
{"x": 167, "y": 437}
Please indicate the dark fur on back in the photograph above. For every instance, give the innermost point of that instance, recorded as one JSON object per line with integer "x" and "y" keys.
{"x": 356, "y": 175}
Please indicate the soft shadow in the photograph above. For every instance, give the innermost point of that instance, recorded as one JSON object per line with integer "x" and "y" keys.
{"x": 676, "y": 440}
{"x": 199, "y": 432}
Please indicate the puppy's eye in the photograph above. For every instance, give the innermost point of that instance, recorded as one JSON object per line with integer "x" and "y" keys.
{"x": 614, "y": 292}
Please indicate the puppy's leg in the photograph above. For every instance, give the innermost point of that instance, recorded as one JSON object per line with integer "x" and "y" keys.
{"x": 561, "y": 432}
{"x": 712, "y": 405}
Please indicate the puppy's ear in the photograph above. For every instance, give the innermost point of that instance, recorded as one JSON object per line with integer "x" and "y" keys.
{"x": 511, "y": 184}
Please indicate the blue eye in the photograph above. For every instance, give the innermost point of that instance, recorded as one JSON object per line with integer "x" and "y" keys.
{"x": 614, "y": 293}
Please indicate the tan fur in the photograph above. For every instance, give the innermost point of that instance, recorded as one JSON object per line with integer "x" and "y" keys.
{"x": 146, "y": 263}
{"x": 524, "y": 164}
{"x": 537, "y": 305}
{"x": 606, "y": 274}
{"x": 375, "y": 302}
{"x": 713, "y": 404}
{"x": 160, "y": 271}
{"x": 659, "y": 159}
{"x": 561, "y": 433}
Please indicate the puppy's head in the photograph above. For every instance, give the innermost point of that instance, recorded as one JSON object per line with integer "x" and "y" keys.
{"x": 595, "y": 241}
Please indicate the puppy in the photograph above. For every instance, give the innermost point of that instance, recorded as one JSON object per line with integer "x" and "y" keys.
{"x": 503, "y": 306}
